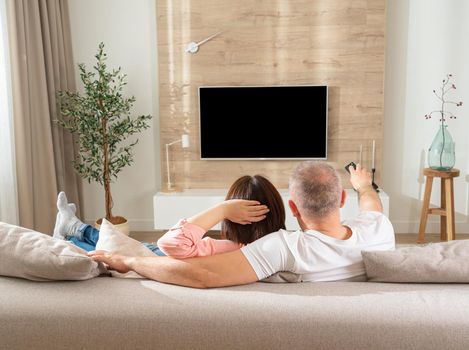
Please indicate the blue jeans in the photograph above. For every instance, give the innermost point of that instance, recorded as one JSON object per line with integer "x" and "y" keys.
{"x": 154, "y": 248}
{"x": 90, "y": 236}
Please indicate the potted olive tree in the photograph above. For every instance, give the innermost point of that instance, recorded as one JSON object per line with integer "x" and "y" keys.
{"x": 100, "y": 119}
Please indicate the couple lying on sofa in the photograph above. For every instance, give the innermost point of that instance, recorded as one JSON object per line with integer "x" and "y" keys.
{"x": 257, "y": 244}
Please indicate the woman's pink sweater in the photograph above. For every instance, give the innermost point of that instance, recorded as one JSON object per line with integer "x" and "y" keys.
{"x": 184, "y": 240}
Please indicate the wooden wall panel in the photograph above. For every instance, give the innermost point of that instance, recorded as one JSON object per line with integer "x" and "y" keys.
{"x": 339, "y": 43}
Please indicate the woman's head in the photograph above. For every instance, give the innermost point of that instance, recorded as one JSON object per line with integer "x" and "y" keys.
{"x": 257, "y": 188}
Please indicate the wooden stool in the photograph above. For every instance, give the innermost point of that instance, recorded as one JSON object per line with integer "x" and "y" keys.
{"x": 446, "y": 211}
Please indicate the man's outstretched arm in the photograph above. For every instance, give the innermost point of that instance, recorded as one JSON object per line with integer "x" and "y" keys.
{"x": 204, "y": 272}
{"x": 368, "y": 199}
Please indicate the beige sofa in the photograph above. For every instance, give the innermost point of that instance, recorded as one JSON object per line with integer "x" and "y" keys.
{"x": 111, "y": 313}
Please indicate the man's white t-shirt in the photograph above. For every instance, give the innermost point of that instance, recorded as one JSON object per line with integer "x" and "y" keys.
{"x": 318, "y": 257}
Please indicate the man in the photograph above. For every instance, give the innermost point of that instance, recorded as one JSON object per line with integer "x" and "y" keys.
{"x": 323, "y": 250}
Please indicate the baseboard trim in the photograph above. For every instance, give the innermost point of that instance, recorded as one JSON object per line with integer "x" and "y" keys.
{"x": 432, "y": 227}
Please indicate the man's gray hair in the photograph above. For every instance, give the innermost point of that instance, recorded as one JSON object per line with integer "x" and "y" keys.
{"x": 316, "y": 188}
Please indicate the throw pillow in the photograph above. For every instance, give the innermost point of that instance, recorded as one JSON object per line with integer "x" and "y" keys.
{"x": 36, "y": 256}
{"x": 434, "y": 263}
{"x": 114, "y": 241}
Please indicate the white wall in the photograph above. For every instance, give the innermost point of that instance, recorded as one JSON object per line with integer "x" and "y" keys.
{"x": 128, "y": 29}
{"x": 426, "y": 39}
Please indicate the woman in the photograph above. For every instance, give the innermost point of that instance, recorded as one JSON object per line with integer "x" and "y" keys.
{"x": 243, "y": 220}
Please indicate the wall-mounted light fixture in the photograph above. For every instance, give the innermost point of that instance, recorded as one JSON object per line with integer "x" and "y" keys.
{"x": 184, "y": 140}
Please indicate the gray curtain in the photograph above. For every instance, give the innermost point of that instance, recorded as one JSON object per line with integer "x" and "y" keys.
{"x": 42, "y": 64}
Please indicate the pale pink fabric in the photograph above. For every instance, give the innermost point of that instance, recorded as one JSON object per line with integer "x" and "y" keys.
{"x": 184, "y": 240}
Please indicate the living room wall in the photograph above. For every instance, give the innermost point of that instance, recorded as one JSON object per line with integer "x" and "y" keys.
{"x": 339, "y": 43}
{"x": 426, "y": 40}
{"x": 128, "y": 30}
{"x": 416, "y": 55}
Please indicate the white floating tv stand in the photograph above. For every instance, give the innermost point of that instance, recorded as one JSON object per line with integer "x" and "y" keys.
{"x": 170, "y": 207}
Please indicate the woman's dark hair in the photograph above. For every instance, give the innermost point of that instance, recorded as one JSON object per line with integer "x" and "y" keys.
{"x": 257, "y": 188}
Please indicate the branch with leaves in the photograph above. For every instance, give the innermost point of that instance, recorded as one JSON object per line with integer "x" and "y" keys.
{"x": 446, "y": 87}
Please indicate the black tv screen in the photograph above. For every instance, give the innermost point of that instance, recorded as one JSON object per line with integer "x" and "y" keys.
{"x": 253, "y": 122}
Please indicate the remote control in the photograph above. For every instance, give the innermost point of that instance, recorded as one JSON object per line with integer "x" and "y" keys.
{"x": 352, "y": 164}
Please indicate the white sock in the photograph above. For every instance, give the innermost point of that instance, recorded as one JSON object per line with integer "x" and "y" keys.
{"x": 66, "y": 224}
{"x": 73, "y": 207}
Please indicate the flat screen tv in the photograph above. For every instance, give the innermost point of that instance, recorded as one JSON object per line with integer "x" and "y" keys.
{"x": 263, "y": 122}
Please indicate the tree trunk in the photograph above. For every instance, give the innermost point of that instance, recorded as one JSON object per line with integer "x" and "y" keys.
{"x": 106, "y": 173}
{"x": 108, "y": 200}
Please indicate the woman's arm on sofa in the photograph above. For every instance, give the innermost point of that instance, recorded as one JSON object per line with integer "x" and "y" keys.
{"x": 204, "y": 272}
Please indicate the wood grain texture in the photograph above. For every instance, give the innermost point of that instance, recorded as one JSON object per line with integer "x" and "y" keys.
{"x": 339, "y": 43}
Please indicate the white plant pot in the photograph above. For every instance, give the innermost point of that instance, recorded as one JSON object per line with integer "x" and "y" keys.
{"x": 124, "y": 227}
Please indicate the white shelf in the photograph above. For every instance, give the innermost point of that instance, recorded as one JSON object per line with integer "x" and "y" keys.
{"x": 171, "y": 207}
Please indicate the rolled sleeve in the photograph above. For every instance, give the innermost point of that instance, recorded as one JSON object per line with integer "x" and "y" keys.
{"x": 185, "y": 240}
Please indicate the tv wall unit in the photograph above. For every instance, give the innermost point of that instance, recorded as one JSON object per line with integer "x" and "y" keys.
{"x": 338, "y": 43}
{"x": 170, "y": 207}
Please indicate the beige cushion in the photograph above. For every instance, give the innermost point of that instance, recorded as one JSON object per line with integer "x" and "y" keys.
{"x": 114, "y": 241}
{"x": 446, "y": 262}
{"x": 35, "y": 256}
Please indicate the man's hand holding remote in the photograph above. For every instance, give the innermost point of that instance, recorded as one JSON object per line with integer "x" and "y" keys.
{"x": 360, "y": 179}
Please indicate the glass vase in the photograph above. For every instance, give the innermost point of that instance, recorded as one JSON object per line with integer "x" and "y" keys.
{"x": 441, "y": 155}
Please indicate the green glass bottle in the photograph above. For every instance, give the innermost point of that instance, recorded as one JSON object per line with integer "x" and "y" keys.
{"x": 441, "y": 155}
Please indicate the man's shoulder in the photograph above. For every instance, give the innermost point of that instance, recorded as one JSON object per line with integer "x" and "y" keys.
{"x": 278, "y": 237}
{"x": 283, "y": 232}
{"x": 289, "y": 234}
{"x": 371, "y": 222}
{"x": 280, "y": 234}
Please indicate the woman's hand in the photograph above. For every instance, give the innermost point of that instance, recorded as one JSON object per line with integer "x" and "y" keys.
{"x": 240, "y": 211}
{"x": 243, "y": 211}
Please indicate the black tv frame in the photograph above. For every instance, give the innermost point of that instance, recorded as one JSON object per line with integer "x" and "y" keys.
{"x": 266, "y": 158}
